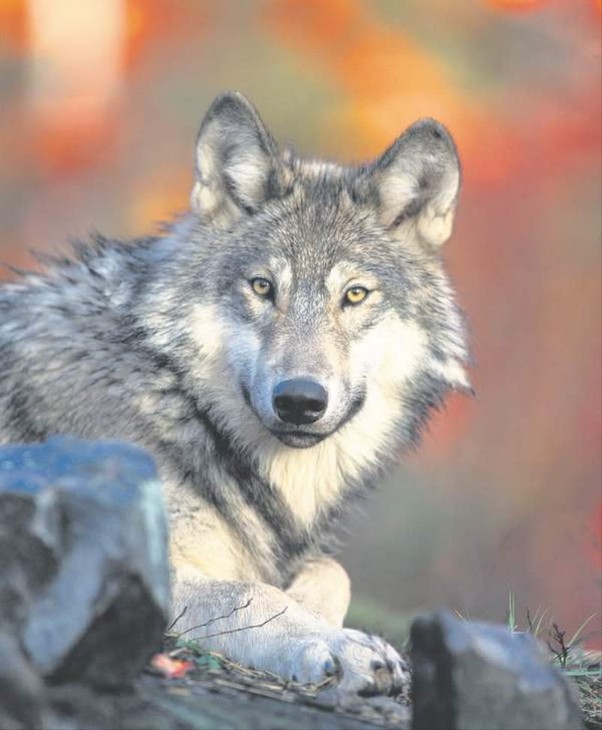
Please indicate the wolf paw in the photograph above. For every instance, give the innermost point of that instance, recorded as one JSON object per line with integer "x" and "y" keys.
{"x": 370, "y": 666}
{"x": 312, "y": 662}
{"x": 365, "y": 665}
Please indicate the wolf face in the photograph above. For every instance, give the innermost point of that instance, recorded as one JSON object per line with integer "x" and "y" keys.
{"x": 332, "y": 297}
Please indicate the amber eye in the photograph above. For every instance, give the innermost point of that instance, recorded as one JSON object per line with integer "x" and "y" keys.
{"x": 355, "y": 295}
{"x": 262, "y": 287}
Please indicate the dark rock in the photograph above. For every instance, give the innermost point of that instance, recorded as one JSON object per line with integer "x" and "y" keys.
{"x": 22, "y": 693}
{"x": 469, "y": 675}
{"x": 84, "y": 575}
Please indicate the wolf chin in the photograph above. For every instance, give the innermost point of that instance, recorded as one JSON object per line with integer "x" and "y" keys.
{"x": 276, "y": 348}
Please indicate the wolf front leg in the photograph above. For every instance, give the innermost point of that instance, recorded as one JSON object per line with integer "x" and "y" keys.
{"x": 260, "y": 626}
{"x": 322, "y": 586}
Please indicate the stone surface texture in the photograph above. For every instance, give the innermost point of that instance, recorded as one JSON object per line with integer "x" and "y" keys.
{"x": 84, "y": 574}
{"x": 476, "y": 676}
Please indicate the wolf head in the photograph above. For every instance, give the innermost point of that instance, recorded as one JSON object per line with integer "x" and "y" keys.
{"x": 318, "y": 305}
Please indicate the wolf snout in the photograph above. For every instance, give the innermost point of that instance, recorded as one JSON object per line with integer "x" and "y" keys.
{"x": 299, "y": 401}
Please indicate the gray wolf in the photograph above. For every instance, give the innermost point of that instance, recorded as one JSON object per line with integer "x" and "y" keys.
{"x": 275, "y": 348}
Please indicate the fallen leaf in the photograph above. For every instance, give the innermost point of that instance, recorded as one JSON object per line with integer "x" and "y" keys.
{"x": 171, "y": 668}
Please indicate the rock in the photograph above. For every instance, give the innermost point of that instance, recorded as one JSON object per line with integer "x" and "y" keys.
{"x": 469, "y": 675}
{"x": 84, "y": 575}
{"x": 23, "y": 702}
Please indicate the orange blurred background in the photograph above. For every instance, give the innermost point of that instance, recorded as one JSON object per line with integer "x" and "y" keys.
{"x": 100, "y": 106}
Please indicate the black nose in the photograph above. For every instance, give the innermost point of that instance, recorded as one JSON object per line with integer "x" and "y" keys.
{"x": 299, "y": 401}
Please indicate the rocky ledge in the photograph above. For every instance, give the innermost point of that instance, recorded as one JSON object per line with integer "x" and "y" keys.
{"x": 84, "y": 609}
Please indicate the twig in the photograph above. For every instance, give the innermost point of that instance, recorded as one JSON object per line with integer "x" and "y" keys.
{"x": 176, "y": 619}
{"x": 217, "y": 618}
{"x": 242, "y": 628}
{"x": 562, "y": 653}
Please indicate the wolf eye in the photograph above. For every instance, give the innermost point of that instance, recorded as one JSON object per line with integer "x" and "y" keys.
{"x": 262, "y": 287}
{"x": 355, "y": 295}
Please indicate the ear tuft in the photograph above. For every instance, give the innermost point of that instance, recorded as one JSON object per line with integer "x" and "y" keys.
{"x": 236, "y": 161}
{"x": 416, "y": 183}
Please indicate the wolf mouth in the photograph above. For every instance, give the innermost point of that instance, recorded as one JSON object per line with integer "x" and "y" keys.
{"x": 305, "y": 439}
{"x": 300, "y": 439}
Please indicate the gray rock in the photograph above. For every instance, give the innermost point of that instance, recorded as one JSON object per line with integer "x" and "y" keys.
{"x": 469, "y": 675}
{"x": 22, "y": 693}
{"x": 84, "y": 575}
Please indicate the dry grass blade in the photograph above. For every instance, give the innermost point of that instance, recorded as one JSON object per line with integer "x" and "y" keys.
{"x": 577, "y": 633}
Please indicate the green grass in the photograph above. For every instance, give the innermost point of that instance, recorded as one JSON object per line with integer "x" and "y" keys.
{"x": 568, "y": 654}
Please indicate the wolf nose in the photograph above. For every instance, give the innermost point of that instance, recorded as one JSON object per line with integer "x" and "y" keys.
{"x": 299, "y": 401}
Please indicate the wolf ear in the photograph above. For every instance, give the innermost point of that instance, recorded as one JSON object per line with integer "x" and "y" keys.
{"x": 416, "y": 182}
{"x": 236, "y": 161}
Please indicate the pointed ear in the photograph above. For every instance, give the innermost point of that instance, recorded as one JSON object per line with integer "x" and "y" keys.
{"x": 415, "y": 184}
{"x": 237, "y": 161}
